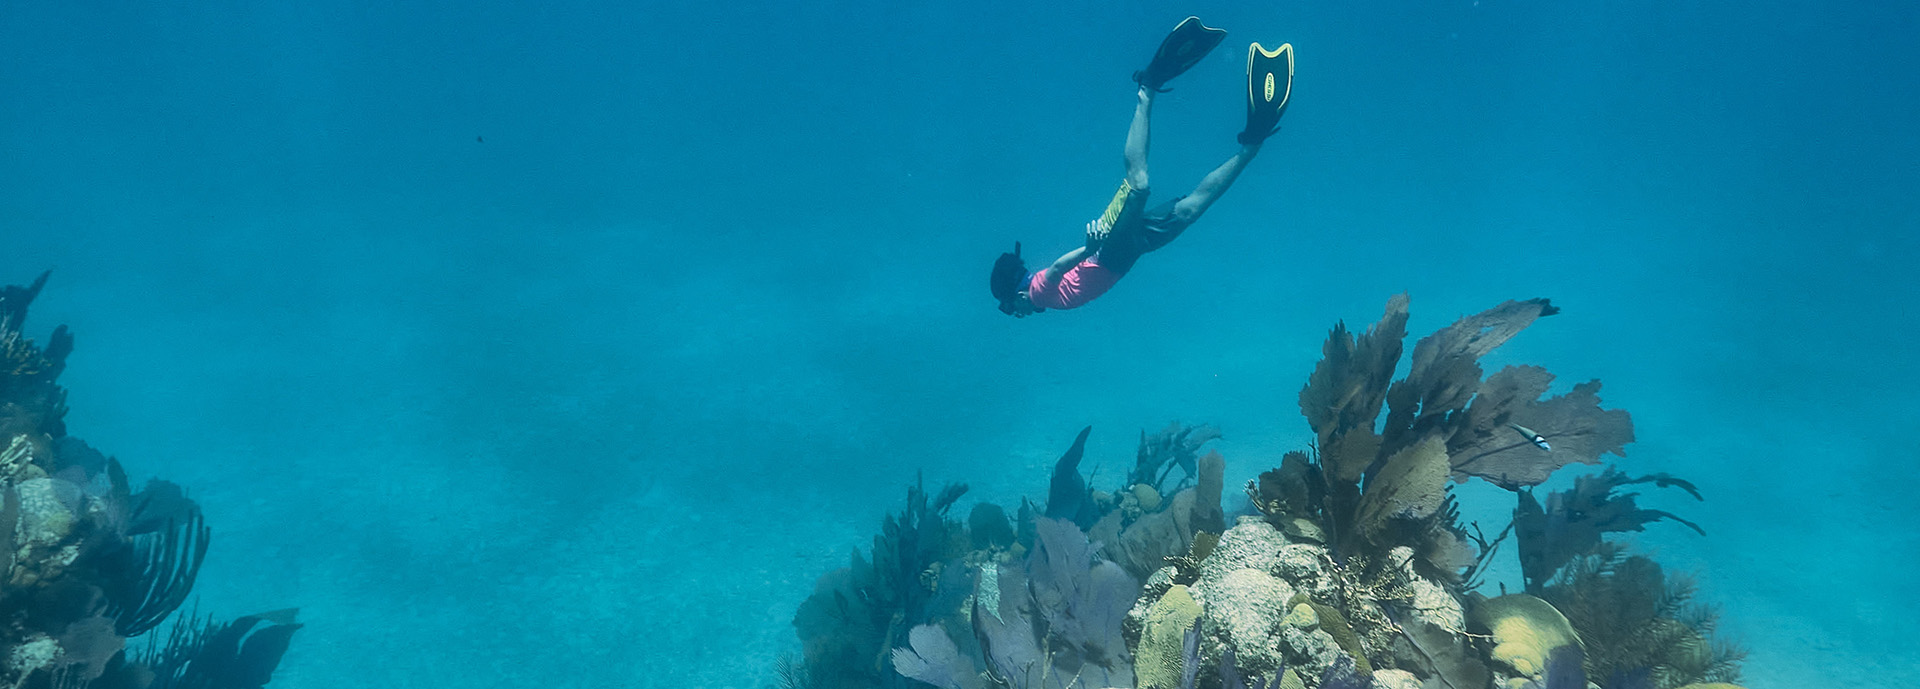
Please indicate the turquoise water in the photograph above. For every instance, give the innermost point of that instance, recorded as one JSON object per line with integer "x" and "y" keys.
{"x": 565, "y": 346}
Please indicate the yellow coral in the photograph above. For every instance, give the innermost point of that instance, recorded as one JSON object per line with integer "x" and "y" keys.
{"x": 1335, "y": 625}
{"x": 1525, "y": 630}
{"x": 1162, "y": 653}
{"x": 1148, "y": 497}
{"x": 1303, "y": 617}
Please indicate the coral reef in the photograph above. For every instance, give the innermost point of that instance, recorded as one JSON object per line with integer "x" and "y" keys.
{"x": 1353, "y": 570}
{"x": 88, "y": 562}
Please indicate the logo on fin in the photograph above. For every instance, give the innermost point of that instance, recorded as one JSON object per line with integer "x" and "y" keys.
{"x": 1269, "y": 87}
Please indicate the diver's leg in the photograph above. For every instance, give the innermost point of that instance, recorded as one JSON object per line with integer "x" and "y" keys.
{"x": 1165, "y": 223}
{"x": 1187, "y": 209}
{"x": 1124, "y": 210}
{"x": 1137, "y": 141}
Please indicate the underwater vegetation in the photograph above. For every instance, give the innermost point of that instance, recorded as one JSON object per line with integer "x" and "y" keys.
{"x": 87, "y": 563}
{"x": 1346, "y": 568}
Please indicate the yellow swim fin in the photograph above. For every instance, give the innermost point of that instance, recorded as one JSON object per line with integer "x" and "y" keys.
{"x": 1269, "y": 88}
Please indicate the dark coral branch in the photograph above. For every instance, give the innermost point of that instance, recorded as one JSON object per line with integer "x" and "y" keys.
{"x": 1175, "y": 447}
{"x": 30, "y": 399}
{"x": 15, "y": 299}
{"x": 1487, "y": 549}
{"x": 1207, "y": 515}
{"x": 1343, "y": 396}
{"x": 858, "y": 614}
{"x": 1349, "y": 384}
{"x": 1573, "y": 522}
{"x": 1445, "y": 371}
{"x": 1068, "y": 496}
{"x": 201, "y": 654}
{"x": 167, "y": 561}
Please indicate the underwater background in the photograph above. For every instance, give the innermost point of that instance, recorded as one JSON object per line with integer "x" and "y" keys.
{"x": 567, "y": 344}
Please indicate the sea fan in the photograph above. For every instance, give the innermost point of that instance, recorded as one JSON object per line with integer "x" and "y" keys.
{"x": 167, "y": 543}
{"x": 200, "y": 654}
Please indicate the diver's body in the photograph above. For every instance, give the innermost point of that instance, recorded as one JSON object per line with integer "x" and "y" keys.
{"x": 1128, "y": 229}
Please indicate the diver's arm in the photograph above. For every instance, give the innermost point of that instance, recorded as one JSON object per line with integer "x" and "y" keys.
{"x": 1051, "y": 276}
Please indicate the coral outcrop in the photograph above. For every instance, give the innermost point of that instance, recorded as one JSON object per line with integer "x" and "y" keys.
{"x": 1351, "y": 568}
{"x": 90, "y": 563}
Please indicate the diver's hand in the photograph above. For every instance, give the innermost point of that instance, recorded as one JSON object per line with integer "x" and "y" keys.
{"x": 1097, "y": 233}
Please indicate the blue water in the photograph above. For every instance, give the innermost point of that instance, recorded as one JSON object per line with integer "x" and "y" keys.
{"x": 565, "y": 346}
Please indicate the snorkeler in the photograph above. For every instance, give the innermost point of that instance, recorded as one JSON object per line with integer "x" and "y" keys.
{"x": 1128, "y": 229}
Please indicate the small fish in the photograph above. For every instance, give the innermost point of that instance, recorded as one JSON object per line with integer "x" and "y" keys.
{"x": 1532, "y": 437}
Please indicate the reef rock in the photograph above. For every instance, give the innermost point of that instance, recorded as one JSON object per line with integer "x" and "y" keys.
{"x": 1319, "y": 649}
{"x": 1255, "y": 544}
{"x": 1431, "y": 601}
{"x": 1395, "y": 679}
{"x": 1305, "y": 566}
{"x": 49, "y": 509}
{"x": 1250, "y": 587}
{"x": 1247, "y": 609}
{"x": 38, "y": 652}
{"x": 1251, "y": 544}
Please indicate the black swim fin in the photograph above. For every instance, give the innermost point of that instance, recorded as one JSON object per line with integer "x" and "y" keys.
{"x": 1183, "y": 48}
{"x": 1269, "y": 87}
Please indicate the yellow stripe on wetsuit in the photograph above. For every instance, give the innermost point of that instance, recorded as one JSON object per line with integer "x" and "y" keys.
{"x": 1118, "y": 204}
{"x": 1098, "y": 229}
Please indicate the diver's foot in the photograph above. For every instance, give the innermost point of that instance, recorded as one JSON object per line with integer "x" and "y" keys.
{"x": 1269, "y": 88}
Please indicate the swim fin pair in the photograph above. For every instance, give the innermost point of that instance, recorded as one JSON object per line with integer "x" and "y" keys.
{"x": 1269, "y": 73}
